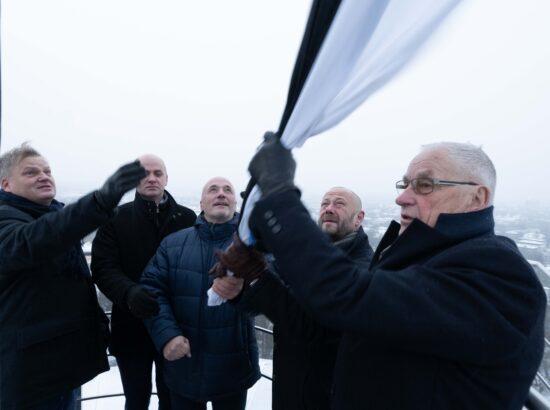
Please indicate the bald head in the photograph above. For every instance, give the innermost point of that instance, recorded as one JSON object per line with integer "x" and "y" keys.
{"x": 151, "y": 188}
{"x": 353, "y": 198}
{"x": 218, "y": 201}
{"x": 153, "y": 160}
{"x": 341, "y": 212}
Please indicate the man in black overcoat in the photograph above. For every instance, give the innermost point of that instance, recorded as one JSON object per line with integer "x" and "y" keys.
{"x": 304, "y": 352}
{"x": 53, "y": 334}
{"x": 449, "y": 315}
{"x": 121, "y": 249}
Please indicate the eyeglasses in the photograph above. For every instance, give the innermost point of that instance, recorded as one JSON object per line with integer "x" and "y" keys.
{"x": 425, "y": 186}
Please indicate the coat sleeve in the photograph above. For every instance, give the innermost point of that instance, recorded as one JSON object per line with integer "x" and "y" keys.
{"x": 271, "y": 297}
{"x": 27, "y": 243}
{"x": 163, "y": 327}
{"x": 478, "y": 304}
{"x": 106, "y": 265}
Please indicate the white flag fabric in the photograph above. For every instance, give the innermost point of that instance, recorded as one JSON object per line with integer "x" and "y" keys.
{"x": 368, "y": 43}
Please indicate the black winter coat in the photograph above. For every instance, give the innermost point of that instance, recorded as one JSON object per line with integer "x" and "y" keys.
{"x": 304, "y": 351}
{"x": 120, "y": 251}
{"x": 450, "y": 317}
{"x": 53, "y": 334}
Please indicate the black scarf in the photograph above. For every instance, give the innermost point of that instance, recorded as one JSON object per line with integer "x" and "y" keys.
{"x": 30, "y": 207}
{"x": 74, "y": 263}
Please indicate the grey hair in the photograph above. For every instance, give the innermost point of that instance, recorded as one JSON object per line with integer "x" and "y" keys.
{"x": 13, "y": 157}
{"x": 471, "y": 162}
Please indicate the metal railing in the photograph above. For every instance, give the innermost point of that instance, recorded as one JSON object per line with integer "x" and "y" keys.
{"x": 107, "y": 396}
{"x": 535, "y": 399}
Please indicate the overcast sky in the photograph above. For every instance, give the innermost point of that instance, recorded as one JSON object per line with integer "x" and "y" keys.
{"x": 94, "y": 84}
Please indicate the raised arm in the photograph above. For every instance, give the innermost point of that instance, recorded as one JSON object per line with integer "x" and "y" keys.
{"x": 465, "y": 313}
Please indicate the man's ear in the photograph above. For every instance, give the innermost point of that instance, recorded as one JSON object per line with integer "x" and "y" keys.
{"x": 480, "y": 198}
{"x": 359, "y": 218}
{"x": 5, "y": 184}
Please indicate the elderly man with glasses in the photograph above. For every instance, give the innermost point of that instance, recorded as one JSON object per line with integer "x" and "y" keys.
{"x": 448, "y": 316}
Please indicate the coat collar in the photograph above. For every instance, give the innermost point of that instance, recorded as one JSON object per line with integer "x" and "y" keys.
{"x": 215, "y": 232}
{"x": 420, "y": 239}
{"x": 359, "y": 238}
{"x": 27, "y": 206}
{"x": 151, "y": 206}
{"x": 161, "y": 215}
{"x": 358, "y": 248}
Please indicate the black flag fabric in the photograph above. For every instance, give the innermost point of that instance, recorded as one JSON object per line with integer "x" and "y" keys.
{"x": 350, "y": 49}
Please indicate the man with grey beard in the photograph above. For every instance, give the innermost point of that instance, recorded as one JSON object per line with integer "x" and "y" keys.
{"x": 304, "y": 351}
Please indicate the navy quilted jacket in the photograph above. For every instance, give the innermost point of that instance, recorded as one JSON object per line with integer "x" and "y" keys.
{"x": 223, "y": 344}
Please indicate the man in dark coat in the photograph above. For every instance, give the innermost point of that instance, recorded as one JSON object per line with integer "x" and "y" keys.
{"x": 121, "y": 249}
{"x": 53, "y": 334}
{"x": 211, "y": 351}
{"x": 304, "y": 351}
{"x": 449, "y": 316}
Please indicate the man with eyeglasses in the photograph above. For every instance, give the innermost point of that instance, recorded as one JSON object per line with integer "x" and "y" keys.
{"x": 449, "y": 315}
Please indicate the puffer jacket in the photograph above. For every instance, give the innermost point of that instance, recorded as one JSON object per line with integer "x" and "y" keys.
{"x": 223, "y": 344}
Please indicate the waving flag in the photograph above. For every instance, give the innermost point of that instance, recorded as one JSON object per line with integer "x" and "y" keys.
{"x": 350, "y": 49}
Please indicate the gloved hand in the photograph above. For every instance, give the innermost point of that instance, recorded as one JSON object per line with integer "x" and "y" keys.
{"x": 273, "y": 166}
{"x": 244, "y": 262}
{"x": 228, "y": 287}
{"x": 142, "y": 303}
{"x": 124, "y": 179}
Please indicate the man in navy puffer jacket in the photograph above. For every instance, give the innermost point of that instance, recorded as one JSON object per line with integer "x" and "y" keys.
{"x": 210, "y": 351}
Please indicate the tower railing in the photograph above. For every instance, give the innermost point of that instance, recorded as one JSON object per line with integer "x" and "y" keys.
{"x": 536, "y": 400}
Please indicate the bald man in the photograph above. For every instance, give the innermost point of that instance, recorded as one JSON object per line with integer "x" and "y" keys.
{"x": 210, "y": 351}
{"x": 120, "y": 252}
{"x": 304, "y": 352}
{"x": 341, "y": 213}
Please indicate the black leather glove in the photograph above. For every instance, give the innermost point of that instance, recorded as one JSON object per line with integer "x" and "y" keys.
{"x": 126, "y": 178}
{"x": 243, "y": 261}
{"x": 272, "y": 166}
{"x": 142, "y": 303}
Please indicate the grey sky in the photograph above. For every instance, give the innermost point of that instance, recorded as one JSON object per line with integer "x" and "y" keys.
{"x": 93, "y": 84}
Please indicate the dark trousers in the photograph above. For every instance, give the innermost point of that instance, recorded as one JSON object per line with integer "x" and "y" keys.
{"x": 135, "y": 373}
{"x": 235, "y": 402}
{"x": 65, "y": 401}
